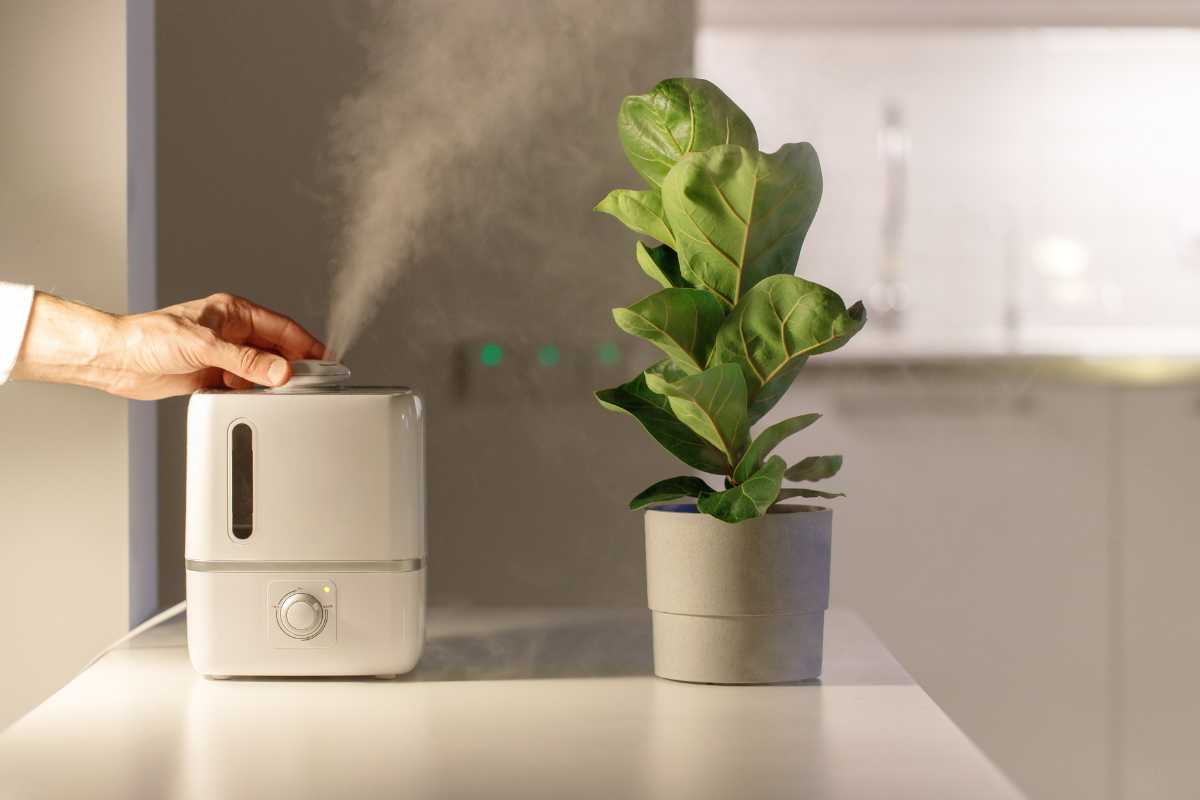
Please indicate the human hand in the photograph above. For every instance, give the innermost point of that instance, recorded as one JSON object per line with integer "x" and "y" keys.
{"x": 221, "y": 340}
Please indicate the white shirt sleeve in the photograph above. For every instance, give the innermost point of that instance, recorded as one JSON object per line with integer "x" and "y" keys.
{"x": 15, "y": 303}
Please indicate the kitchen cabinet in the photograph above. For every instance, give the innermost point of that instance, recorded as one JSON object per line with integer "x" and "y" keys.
{"x": 976, "y": 537}
{"x": 1157, "y": 699}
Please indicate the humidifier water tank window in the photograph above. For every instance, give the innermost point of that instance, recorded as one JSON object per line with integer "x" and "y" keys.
{"x": 241, "y": 483}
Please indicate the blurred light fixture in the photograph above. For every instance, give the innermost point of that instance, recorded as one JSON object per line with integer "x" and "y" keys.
{"x": 609, "y": 354}
{"x": 887, "y": 296}
{"x": 491, "y": 354}
{"x": 548, "y": 355}
{"x": 1060, "y": 257}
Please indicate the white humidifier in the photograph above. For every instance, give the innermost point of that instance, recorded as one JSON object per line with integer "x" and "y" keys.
{"x": 306, "y": 528}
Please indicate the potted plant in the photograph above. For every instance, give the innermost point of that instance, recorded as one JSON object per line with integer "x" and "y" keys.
{"x": 738, "y": 583}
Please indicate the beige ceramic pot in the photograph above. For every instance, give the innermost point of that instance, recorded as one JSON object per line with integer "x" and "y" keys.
{"x": 740, "y": 603}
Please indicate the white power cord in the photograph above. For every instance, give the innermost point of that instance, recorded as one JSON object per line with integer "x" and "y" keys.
{"x": 162, "y": 616}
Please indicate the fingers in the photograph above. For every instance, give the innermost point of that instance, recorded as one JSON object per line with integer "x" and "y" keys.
{"x": 249, "y": 363}
{"x": 246, "y": 343}
{"x": 275, "y": 331}
{"x": 232, "y": 381}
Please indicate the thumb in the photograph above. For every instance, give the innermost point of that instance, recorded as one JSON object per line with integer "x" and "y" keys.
{"x": 256, "y": 366}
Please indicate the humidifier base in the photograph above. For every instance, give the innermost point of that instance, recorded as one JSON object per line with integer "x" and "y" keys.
{"x": 304, "y": 623}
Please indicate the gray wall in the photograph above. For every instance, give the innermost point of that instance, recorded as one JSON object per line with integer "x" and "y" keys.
{"x": 63, "y": 477}
{"x": 528, "y": 477}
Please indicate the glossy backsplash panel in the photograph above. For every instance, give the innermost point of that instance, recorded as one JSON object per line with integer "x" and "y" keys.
{"x": 1017, "y": 190}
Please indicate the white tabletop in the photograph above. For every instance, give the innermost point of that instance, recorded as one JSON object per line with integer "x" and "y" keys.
{"x": 505, "y": 703}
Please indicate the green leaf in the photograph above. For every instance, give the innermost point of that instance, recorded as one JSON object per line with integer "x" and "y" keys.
{"x": 641, "y": 211}
{"x": 671, "y": 489}
{"x": 712, "y": 403}
{"x": 814, "y": 468}
{"x": 739, "y": 215}
{"x": 767, "y": 441}
{"x": 786, "y": 493}
{"x": 677, "y": 117}
{"x": 680, "y": 322}
{"x": 662, "y": 264}
{"x": 667, "y": 370}
{"x": 748, "y": 499}
{"x": 654, "y": 413}
{"x": 775, "y": 328}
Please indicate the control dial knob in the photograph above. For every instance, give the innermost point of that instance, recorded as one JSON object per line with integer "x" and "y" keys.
{"x": 300, "y": 615}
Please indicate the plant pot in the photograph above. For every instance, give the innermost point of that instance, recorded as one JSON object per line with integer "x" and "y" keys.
{"x": 740, "y": 603}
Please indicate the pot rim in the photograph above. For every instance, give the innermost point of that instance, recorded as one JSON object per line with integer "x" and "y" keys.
{"x": 782, "y": 508}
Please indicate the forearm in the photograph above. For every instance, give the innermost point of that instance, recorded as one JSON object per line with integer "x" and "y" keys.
{"x": 67, "y": 342}
{"x": 221, "y": 340}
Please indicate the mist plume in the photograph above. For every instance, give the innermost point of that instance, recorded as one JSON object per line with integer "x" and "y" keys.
{"x": 443, "y": 79}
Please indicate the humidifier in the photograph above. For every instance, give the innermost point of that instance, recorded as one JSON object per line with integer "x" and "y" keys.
{"x": 305, "y": 540}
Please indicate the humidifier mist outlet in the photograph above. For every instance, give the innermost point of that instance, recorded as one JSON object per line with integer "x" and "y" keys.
{"x": 312, "y": 373}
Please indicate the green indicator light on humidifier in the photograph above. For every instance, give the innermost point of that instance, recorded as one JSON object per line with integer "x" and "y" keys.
{"x": 548, "y": 355}
{"x": 491, "y": 354}
{"x": 609, "y": 354}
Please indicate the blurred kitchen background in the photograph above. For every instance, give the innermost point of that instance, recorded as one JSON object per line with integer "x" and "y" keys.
{"x": 1009, "y": 186}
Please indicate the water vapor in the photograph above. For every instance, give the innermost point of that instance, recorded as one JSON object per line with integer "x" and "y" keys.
{"x": 443, "y": 79}
{"x": 466, "y": 161}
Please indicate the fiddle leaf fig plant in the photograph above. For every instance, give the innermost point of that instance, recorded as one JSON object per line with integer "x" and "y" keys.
{"x": 735, "y": 323}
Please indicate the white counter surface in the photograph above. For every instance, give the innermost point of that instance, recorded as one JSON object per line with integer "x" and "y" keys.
{"x": 505, "y": 703}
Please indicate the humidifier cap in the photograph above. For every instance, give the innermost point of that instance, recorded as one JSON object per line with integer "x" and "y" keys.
{"x": 314, "y": 372}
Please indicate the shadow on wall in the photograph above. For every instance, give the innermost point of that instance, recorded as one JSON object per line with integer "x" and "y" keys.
{"x": 494, "y": 228}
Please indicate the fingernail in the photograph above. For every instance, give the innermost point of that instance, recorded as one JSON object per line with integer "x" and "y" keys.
{"x": 277, "y": 374}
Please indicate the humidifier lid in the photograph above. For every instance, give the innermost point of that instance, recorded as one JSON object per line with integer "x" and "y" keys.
{"x": 314, "y": 372}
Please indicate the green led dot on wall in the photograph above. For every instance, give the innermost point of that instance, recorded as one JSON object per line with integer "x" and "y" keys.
{"x": 491, "y": 354}
{"x": 609, "y": 354}
{"x": 548, "y": 355}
